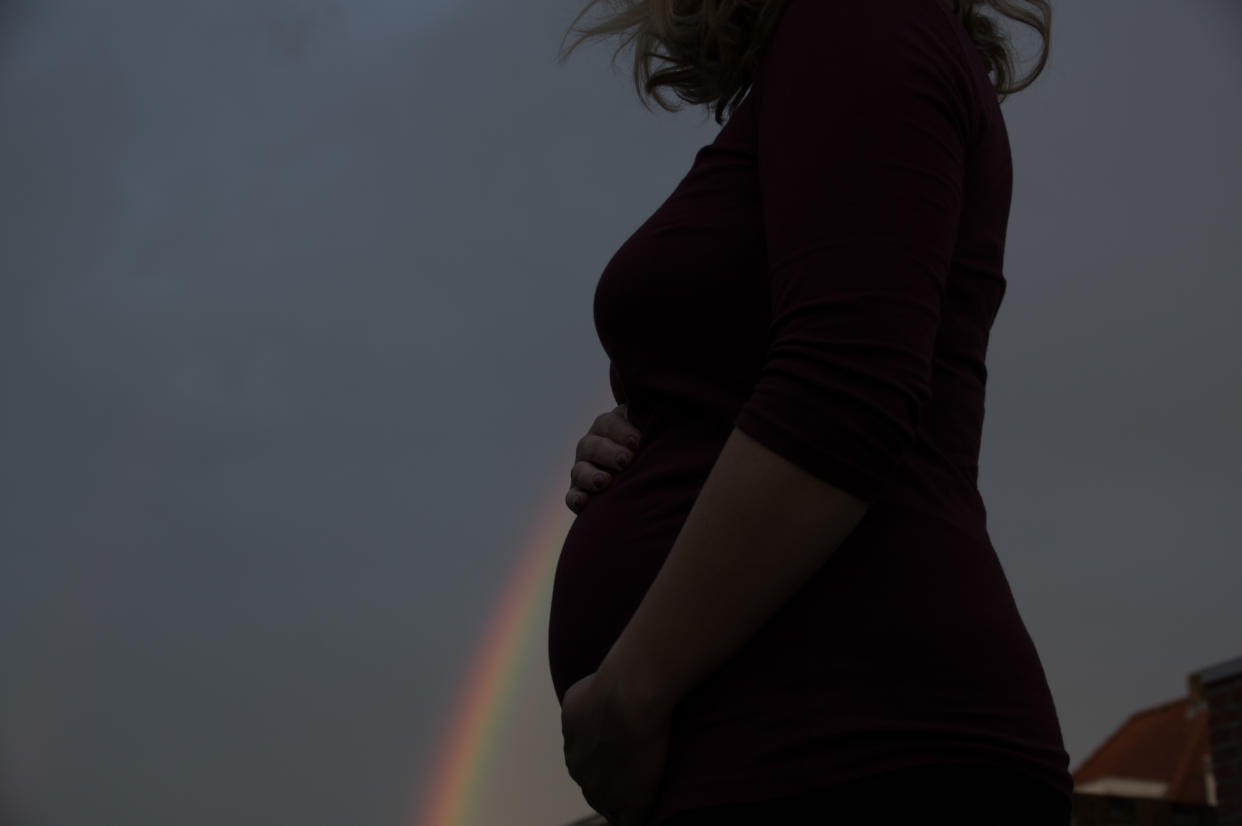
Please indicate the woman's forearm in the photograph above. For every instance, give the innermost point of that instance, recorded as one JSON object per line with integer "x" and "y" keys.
{"x": 759, "y": 529}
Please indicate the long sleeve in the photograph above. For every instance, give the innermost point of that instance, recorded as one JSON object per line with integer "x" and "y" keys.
{"x": 862, "y": 122}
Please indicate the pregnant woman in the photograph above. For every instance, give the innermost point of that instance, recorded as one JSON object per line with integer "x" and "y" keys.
{"x": 786, "y": 607}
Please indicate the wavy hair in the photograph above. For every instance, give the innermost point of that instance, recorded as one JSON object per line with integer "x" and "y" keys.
{"x": 714, "y": 46}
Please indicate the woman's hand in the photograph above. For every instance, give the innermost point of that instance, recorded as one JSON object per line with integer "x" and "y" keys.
{"x": 608, "y": 445}
{"x": 615, "y": 751}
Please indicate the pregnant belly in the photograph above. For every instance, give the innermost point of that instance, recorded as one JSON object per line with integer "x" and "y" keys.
{"x": 616, "y": 546}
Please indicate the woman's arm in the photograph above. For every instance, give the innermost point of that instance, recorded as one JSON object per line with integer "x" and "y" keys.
{"x": 759, "y": 529}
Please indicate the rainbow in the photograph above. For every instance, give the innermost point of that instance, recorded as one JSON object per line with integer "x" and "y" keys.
{"x": 469, "y": 737}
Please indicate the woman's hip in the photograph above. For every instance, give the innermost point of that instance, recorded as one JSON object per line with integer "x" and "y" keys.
{"x": 964, "y": 795}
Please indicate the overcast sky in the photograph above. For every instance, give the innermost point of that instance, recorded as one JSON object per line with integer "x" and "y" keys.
{"x": 296, "y": 342}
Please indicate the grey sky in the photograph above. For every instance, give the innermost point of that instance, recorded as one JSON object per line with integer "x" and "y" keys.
{"x": 296, "y": 340}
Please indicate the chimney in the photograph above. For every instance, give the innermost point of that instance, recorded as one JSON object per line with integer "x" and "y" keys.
{"x": 1218, "y": 690}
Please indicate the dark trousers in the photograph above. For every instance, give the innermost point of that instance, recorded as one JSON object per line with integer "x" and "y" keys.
{"x": 960, "y": 795}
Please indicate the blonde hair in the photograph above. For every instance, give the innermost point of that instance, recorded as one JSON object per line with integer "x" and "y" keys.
{"x": 714, "y": 46}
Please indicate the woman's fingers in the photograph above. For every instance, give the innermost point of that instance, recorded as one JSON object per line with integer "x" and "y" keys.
{"x": 615, "y": 426}
{"x": 589, "y": 477}
{"x": 607, "y": 448}
{"x": 575, "y": 499}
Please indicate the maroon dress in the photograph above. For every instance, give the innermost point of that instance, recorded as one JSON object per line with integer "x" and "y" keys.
{"x": 825, "y": 278}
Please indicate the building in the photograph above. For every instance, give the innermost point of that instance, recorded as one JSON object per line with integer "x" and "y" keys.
{"x": 1175, "y": 764}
